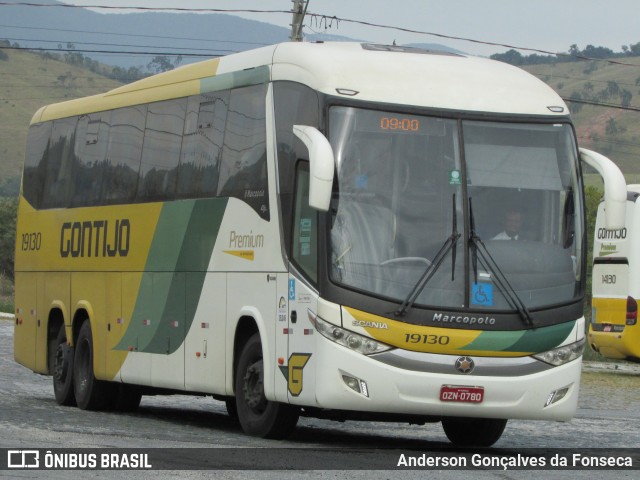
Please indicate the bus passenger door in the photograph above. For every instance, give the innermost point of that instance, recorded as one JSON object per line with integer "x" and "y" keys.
{"x": 300, "y": 364}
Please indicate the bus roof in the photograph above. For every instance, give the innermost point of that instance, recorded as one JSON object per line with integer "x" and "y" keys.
{"x": 387, "y": 74}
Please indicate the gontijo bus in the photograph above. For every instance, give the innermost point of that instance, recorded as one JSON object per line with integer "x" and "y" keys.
{"x": 309, "y": 228}
{"x": 614, "y": 331}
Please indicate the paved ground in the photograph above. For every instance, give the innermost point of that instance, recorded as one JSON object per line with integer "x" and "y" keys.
{"x": 608, "y": 417}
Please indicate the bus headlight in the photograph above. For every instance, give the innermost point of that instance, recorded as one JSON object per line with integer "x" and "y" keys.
{"x": 351, "y": 340}
{"x": 561, "y": 355}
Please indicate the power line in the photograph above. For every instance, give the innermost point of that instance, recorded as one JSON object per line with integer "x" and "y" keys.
{"x": 601, "y": 104}
{"x": 64, "y": 42}
{"x": 164, "y": 37}
{"x": 145, "y": 9}
{"x": 325, "y": 18}
{"x": 581, "y": 79}
{"x": 116, "y": 52}
{"x": 322, "y": 18}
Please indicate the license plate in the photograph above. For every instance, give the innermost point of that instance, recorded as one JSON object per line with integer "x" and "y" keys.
{"x": 461, "y": 394}
{"x": 607, "y": 328}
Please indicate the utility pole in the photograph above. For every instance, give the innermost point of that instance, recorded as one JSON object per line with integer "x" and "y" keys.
{"x": 299, "y": 11}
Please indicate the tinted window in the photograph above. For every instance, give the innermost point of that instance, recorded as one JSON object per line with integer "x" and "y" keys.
{"x": 92, "y": 136}
{"x": 123, "y": 154}
{"x": 305, "y": 226}
{"x": 161, "y": 150}
{"x": 35, "y": 162}
{"x": 57, "y": 185}
{"x": 295, "y": 104}
{"x": 202, "y": 145}
{"x": 243, "y": 172}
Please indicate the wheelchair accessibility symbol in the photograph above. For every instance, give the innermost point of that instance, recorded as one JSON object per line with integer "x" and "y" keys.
{"x": 482, "y": 294}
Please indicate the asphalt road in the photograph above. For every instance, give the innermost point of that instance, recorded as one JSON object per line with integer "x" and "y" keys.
{"x": 608, "y": 419}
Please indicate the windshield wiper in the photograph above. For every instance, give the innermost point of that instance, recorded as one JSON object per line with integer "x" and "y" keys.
{"x": 449, "y": 244}
{"x": 478, "y": 247}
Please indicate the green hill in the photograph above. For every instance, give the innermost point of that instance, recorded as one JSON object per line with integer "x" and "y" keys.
{"x": 31, "y": 80}
{"x": 27, "y": 82}
{"x": 611, "y": 131}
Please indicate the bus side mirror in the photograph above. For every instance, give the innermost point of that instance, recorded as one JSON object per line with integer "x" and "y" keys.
{"x": 615, "y": 188}
{"x": 321, "y": 166}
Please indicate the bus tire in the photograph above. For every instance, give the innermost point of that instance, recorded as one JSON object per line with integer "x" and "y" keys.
{"x": 126, "y": 398}
{"x": 232, "y": 408}
{"x": 473, "y": 432}
{"x": 257, "y": 415}
{"x": 90, "y": 393}
{"x": 61, "y": 361}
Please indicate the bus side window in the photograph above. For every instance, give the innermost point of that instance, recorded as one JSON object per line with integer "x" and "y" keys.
{"x": 161, "y": 150}
{"x": 36, "y": 162}
{"x": 243, "y": 172}
{"x": 57, "y": 184}
{"x": 124, "y": 152}
{"x": 91, "y": 153}
{"x": 202, "y": 145}
{"x": 305, "y": 225}
{"x": 295, "y": 104}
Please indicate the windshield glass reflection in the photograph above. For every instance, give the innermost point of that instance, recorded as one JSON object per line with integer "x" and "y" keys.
{"x": 400, "y": 196}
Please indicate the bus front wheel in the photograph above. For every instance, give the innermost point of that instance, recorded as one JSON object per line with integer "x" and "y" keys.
{"x": 257, "y": 415}
{"x": 90, "y": 393}
{"x": 473, "y": 432}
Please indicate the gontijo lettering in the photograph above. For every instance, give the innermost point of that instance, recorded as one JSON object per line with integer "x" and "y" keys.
{"x": 97, "y": 238}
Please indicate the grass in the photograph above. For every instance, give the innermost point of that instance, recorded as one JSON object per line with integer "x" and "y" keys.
{"x": 28, "y": 82}
{"x": 612, "y": 383}
{"x": 588, "y": 79}
{"x": 6, "y": 295}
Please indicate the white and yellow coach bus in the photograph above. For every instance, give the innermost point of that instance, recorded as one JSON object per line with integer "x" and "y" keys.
{"x": 310, "y": 229}
{"x": 614, "y": 331}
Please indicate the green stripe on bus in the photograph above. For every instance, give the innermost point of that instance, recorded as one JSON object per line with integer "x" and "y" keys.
{"x": 176, "y": 267}
{"x": 535, "y": 341}
{"x": 243, "y": 78}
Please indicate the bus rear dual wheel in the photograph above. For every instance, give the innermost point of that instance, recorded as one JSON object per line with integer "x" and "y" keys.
{"x": 74, "y": 382}
{"x": 61, "y": 362}
{"x": 257, "y": 415}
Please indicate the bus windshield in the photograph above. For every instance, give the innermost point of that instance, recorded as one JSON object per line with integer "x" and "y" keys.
{"x": 504, "y": 198}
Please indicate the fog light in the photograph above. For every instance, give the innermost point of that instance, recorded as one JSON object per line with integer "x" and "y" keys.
{"x": 356, "y": 384}
{"x": 556, "y": 396}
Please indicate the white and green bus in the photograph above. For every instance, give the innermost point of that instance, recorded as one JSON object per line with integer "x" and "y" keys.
{"x": 311, "y": 228}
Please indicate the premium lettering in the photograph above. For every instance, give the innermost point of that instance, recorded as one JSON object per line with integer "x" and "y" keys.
{"x": 97, "y": 238}
{"x": 237, "y": 240}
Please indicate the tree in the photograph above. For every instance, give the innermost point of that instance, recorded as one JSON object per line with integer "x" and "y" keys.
{"x": 160, "y": 63}
{"x": 612, "y": 127}
{"x": 8, "y": 210}
{"x": 593, "y": 196}
{"x": 613, "y": 88}
{"x": 512, "y": 57}
{"x": 576, "y": 106}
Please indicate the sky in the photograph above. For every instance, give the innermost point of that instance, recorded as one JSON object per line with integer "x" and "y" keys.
{"x": 550, "y": 25}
